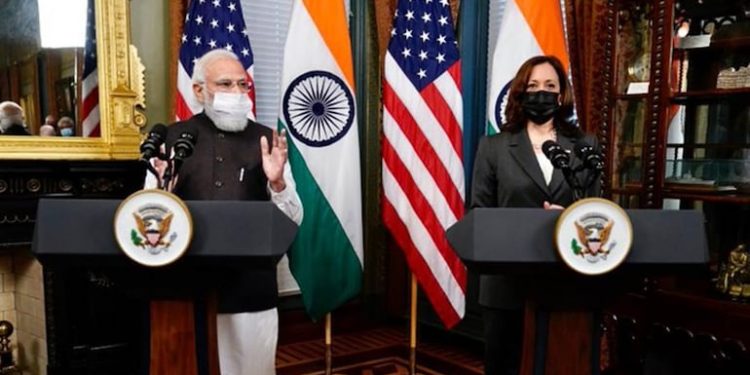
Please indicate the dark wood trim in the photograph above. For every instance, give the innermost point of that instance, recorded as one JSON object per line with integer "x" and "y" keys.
{"x": 657, "y": 119}
{"x": 606, "y": 132}
{"x": 713, "y": 94}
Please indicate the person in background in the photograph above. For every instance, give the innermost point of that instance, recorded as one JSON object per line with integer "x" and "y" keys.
{"x": 67, "y": 126}
{"x": 512, "y": 171}
{"x": 51, "y": 120}
{"x": 47, "y": 130}
{"x": 12, "y": 119}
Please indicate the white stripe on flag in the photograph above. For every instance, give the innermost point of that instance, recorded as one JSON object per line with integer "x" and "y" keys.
{"x": 91, "y": 121}
{"x": 425, "y": 119}
{"x": 423, "y": 241}
{"x": 449, "y": 90}
{"x": 90, "y": 83}
{"x": 422, "y": 177}
{"x": 342, "y": 200}
{"x": 515, "y": 44}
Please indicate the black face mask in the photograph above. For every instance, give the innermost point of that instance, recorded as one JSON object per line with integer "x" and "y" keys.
{"x": 540, "y": 106}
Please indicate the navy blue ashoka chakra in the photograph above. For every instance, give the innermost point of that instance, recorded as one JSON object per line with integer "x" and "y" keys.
{"x": 318, "y": 108}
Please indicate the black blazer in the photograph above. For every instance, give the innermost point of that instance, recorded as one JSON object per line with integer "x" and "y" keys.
{"x": 507, "y": 174}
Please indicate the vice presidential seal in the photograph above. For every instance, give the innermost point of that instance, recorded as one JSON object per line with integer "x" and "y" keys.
{"x": 593, "y": 236}
{"x": 153, "y": 227}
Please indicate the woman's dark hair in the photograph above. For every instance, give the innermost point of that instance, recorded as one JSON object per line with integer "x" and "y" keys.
{"x": 515, "y": 117}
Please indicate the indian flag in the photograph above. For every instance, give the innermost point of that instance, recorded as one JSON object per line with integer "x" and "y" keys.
{"x": 528, "y": 28}
{"x": 318, "y": 111}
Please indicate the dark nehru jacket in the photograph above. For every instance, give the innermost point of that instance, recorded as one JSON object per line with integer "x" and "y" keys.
{"x": 228, "y": 166}
{"x": 16, "y": 129}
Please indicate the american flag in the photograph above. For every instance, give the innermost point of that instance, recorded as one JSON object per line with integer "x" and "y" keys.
{"x": 90, "y": 87}
{"x": 209, "y": 25}
{"x": 423, "y": 175}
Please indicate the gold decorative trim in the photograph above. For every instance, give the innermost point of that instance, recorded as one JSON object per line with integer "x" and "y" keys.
{"x": 121, "y": 99}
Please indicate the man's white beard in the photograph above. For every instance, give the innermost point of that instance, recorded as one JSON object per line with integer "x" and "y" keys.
{"x": 4, "y": 125}
{"x": 223, "y": 121}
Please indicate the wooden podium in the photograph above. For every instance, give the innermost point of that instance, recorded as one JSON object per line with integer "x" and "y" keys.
{"x": 519, "y": 241}
{"x": 226, "y": 235}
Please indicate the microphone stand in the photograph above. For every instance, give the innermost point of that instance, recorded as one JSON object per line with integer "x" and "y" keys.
{"x": 572, "y": 179}
{"x": 591, "y": 179}
{"x": 167, "y": 170}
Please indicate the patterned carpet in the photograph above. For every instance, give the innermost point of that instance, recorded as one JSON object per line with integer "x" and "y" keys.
{"x": 376, "y": 352}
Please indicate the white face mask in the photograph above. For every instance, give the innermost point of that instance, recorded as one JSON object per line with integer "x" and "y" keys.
{"x": 229, "y": 111}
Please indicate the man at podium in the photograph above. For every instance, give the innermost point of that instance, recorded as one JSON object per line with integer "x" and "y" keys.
{"x": 512, "y": 171}
{"x": 236, "y": 159}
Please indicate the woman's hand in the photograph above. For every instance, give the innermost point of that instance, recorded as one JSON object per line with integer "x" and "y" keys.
{"x": 551, "y": 206}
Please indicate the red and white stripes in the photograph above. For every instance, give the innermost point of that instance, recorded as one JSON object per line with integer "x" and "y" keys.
{"x": 423, "y": 180}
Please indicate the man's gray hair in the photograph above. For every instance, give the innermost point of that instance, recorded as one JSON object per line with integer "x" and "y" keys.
{"x": 199, "y": 70}
{"x": 11, "y": 111}
{"x": 66, "y": 120}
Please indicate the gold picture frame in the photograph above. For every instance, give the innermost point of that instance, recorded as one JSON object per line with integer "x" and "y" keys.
{"x": 121, "y": 99}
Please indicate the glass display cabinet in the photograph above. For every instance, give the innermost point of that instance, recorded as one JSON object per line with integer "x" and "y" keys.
{"x": 679, "y": 112}
{"x": 675, "y": 129}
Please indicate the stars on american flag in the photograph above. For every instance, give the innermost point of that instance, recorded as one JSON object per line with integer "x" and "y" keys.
{"x": 423, "y": 40}
{"x": 423, "y": 76}
{"x": 210, "y": 25}
{"x": 213, "y": 24}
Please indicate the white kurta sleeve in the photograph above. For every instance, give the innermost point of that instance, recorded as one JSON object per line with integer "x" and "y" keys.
{"x": 288, "y": 200}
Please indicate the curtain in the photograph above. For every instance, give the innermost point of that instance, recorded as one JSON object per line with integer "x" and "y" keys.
{"x": 587, "y": 44}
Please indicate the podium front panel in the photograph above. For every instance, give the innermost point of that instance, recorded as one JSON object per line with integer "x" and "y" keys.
{"x": 524, "y": 236}
{"x": 83, "y": 228}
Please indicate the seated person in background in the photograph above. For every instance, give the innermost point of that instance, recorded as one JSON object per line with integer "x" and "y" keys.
{"x": 12, "y": 119}
{"x": 67, "y": 126}
{"x": 47, "y": 130}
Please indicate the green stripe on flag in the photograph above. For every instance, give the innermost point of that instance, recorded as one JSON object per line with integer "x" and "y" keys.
{"x": 321, "y": 258}
{"x": 491, "y": 129}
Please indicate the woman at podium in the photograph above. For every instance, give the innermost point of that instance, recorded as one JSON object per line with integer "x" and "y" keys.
{"x": 511, "y": 170}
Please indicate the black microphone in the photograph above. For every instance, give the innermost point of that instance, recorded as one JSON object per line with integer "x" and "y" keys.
{"x": 560, "y": 159}
{"x": 152, "y": 143}
{"x": 590, "y": 157}
{"x": 556, "y": 154}
{"x": 185, "y": 145}
{"x": 183, "y": 148}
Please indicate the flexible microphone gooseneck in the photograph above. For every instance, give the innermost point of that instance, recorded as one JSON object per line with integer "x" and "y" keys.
{"x": 151, "y": 145}
{"x": 560, "y": 159}
{"x": 183, "y": 148}
{"x": 592, "y": 159}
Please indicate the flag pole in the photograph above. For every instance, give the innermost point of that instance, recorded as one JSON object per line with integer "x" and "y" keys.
{"x": 329, "y": 355}
{"x": 413, "y": 328}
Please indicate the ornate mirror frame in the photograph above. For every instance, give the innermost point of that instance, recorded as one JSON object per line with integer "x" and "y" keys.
{"x": 121, "y": 99}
